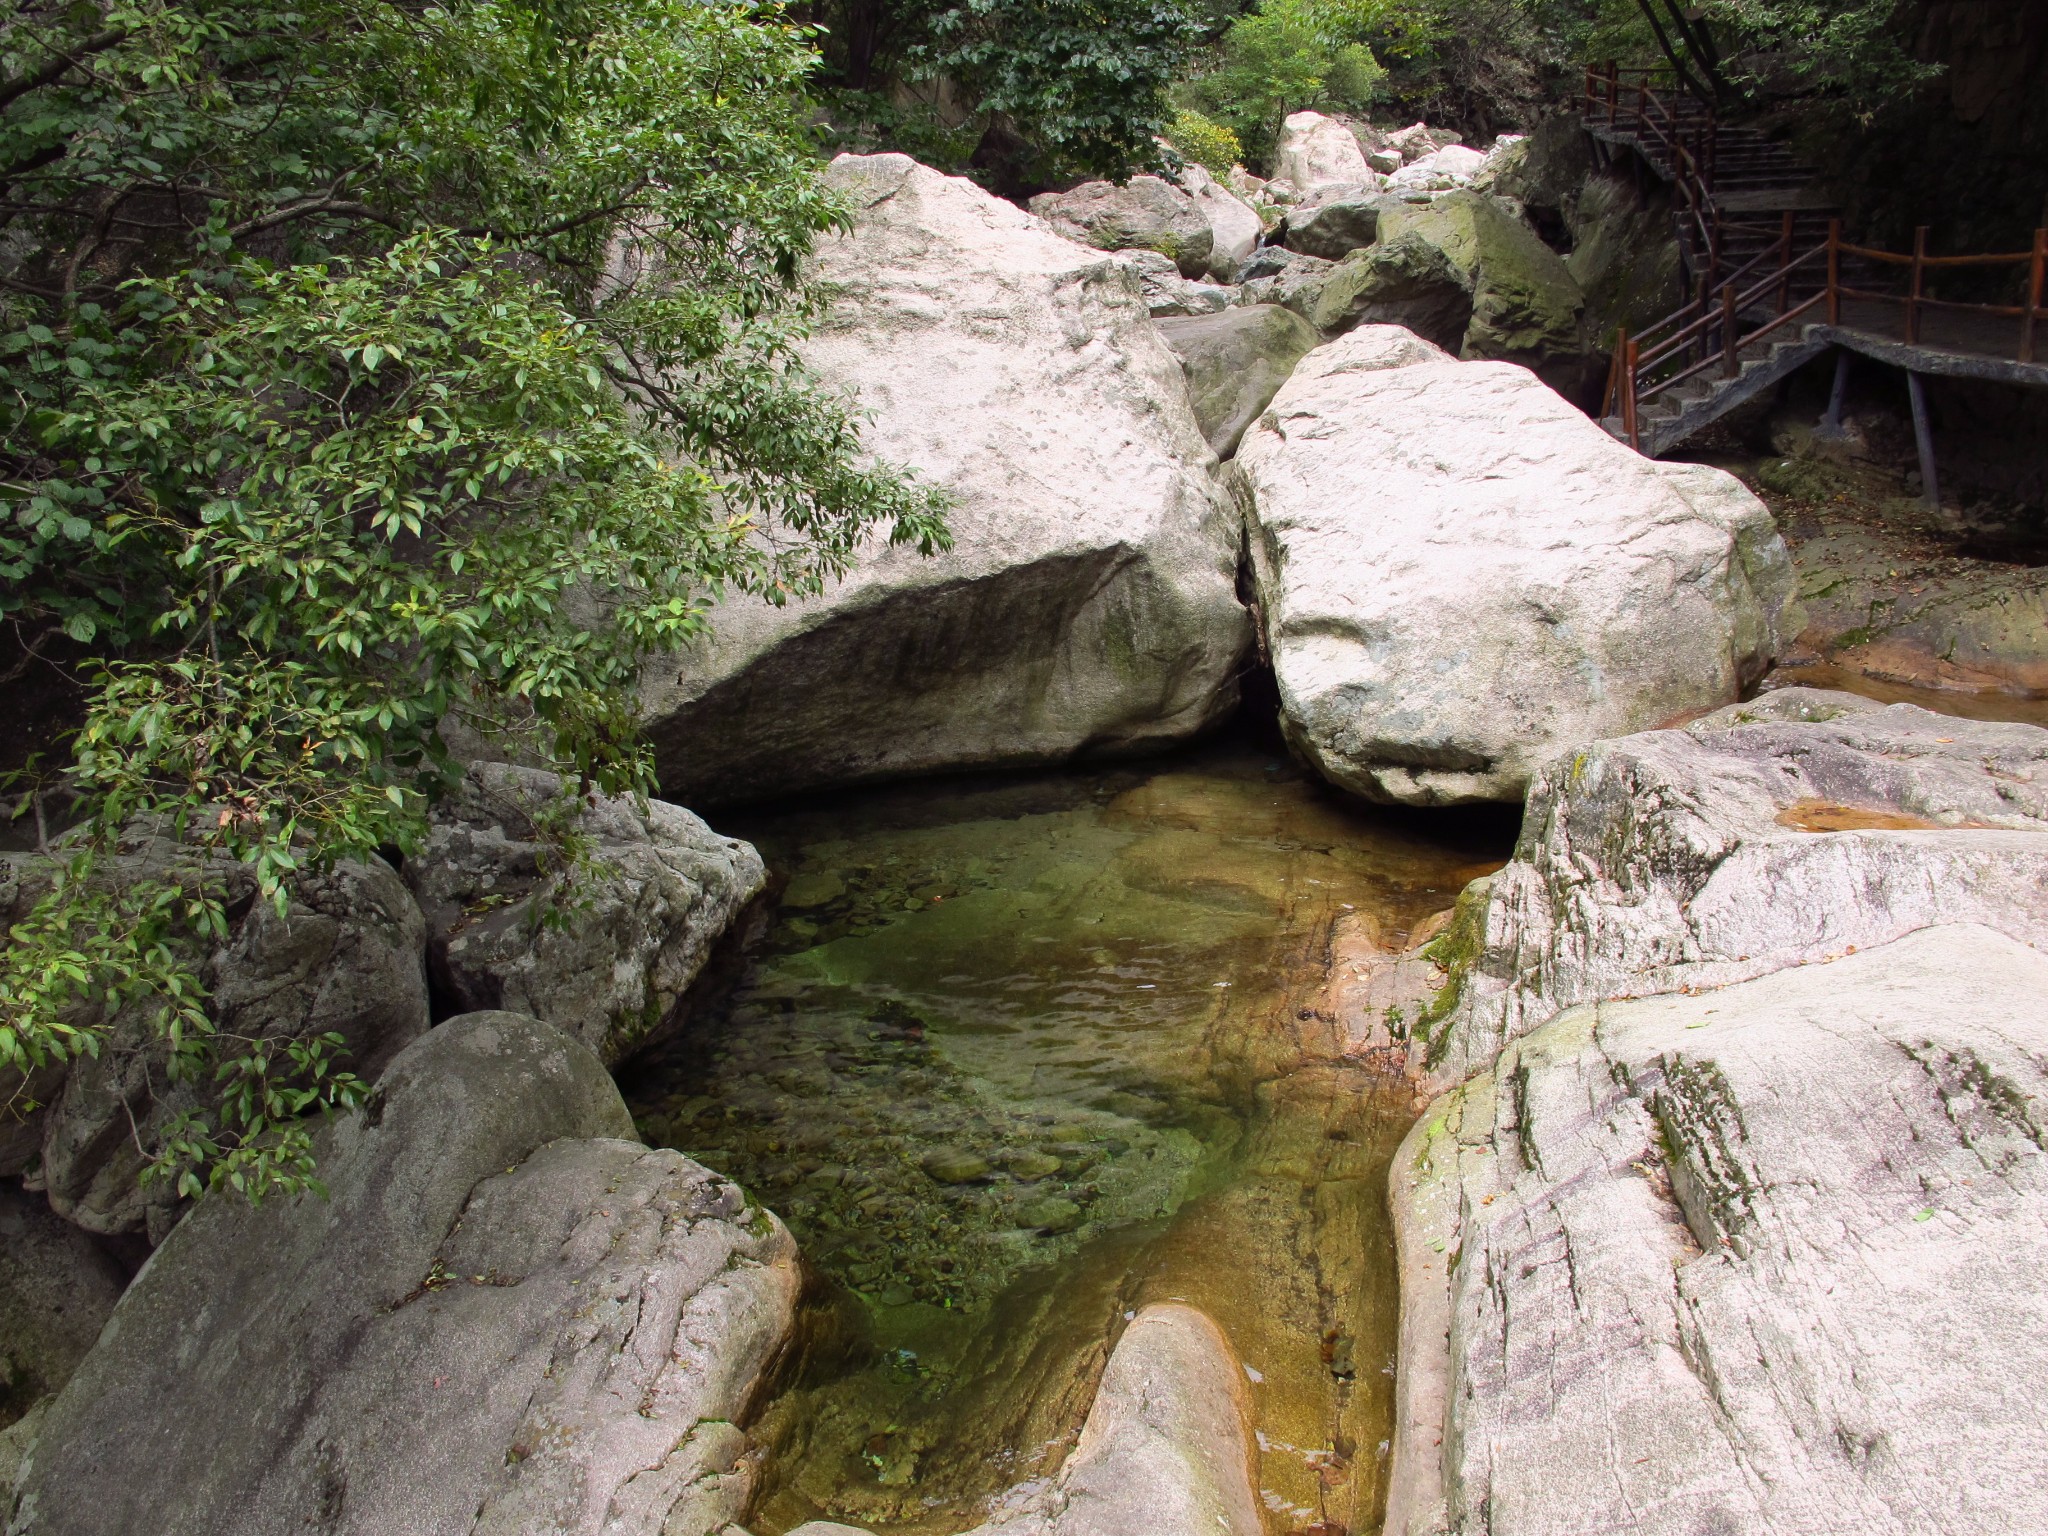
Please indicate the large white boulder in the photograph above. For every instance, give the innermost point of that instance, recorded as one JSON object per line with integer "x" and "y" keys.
{"x": 1089, "y": 601}
{"x": 1770, "y": 1258}
{"x": 507, "y": 1317}
{"x": 1314, "y": 149}
{"x": 1459, "y": 575}
{"x": 1798, "y": 828}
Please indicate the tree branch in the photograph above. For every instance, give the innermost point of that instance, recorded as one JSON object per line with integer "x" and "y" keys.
{"x": 50, "y": 73}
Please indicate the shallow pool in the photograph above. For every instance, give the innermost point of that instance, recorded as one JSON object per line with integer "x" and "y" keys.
{"x": 1017, "y": 1056}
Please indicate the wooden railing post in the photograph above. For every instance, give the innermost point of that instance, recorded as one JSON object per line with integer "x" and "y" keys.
{"x": 1614, "y": 362}
{"x": 1731, "y": 364}
{"x": 1613, "y": 91}
{"x": 1834, "y": 271}
{"x": 1785, "y": 264}
{"x": 1919, "y": 277}
{"x": 1628, "y": 396}
{"x": 2037, "y": 274}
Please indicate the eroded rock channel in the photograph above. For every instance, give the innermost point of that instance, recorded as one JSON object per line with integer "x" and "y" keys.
{"x": 1019, "y": 1058}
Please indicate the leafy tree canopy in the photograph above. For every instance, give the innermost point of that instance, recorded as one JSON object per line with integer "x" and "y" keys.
{"x": 368, "y": 368}
{"x": 1030, "y": 93}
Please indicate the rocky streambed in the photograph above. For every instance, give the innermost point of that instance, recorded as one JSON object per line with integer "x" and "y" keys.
{"x": 1018, "y": 1059}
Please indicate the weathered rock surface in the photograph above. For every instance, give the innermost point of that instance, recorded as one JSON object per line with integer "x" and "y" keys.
{"x": 1234, "y": 226}
{"x": 1290, "y": 278}
{"x": 1146, "y": 213}
{"x": 1525, "y": 305}
{"x": 1403, "y": 280}
{"x": 508, "y": 1318}
{"x": 1165, "y": 1450}
{"x": 1235, "y": 362}
{"x": 1314, "y": 149}
{"x": 1167, "y": 293}
{"x": 1769, "y": 1258}
{"x": 604, "y": 953}
{"x": 1794, "y": 829}
{"x": 1459, "y": 575}
{"x": 1452, "y": 166}
{"x": 1089, "y": 602}
{"x": 1337, "y": 225}
{"x": 347, "y": 958}
{"x": 56, "y": 1289}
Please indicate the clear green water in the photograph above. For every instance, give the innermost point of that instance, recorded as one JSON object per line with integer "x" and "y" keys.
{"x": 1018, "y": 1056}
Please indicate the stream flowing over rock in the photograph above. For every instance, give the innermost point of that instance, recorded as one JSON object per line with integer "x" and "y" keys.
{"x": 1800, "y": 827}
{"x": 1764, "y": 1259}
{"x": 348, "y": 958}
{"x": 1089, "y": 602}
{"x": 1459, "y": 575}
{"x": 509, "y": 1317}
{"x": 604, "y": 952}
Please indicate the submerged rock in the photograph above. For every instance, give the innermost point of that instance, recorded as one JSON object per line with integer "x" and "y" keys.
{"x": 1765, "y": 1259}
{"x": 1165, "y": 1452}
{"x": 1089, "y": 602}
{"x": 1797, "y": 828}
{"x": 1145, "y": 213}
{"x": 1235, "y": 362}
{"x": 347, "y": 958}
{"x": 508, "y": 1317}
{"x": 604, "y": 952}
{"x": 1459, "y": 575}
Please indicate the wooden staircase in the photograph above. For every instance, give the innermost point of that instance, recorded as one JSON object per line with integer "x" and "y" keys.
{"x": 1772, "y": 284}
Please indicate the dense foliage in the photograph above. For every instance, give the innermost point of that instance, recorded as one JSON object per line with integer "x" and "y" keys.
{"x": 1026, "y": 92}
{"x": 1286, "y": 56}
{"x": 369, "y": 371}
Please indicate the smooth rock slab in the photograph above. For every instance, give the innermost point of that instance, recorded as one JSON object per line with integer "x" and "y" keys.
{"x": 1089, "y": 603}
{"x": 1772, "y": 1258}
{"x": 604, "y": 952}
{"x": 1459, "y": 575}
{"x": 508, "y": 1318}
{"x": 1796, "y": 828}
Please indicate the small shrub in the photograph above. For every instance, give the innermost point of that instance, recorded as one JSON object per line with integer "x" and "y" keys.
{"x": 1204, "y": 142}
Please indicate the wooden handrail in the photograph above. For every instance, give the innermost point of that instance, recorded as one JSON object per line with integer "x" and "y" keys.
{"x": 1708, "y": 328}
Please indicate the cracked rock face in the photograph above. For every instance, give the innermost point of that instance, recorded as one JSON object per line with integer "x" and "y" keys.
{"x": 1800, "y": 827}
{"x": 509, "y": 1317}
{"x": 605, "y": 955}
{"x": 1763, "y": 1260}
{"x": 1089, "y": 601}
{"x": 1460, "y": 576}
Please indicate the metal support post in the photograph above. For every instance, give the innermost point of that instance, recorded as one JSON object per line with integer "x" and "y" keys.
{"x": 1831, "y": 423}
{"x": 1923, "y": 439}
